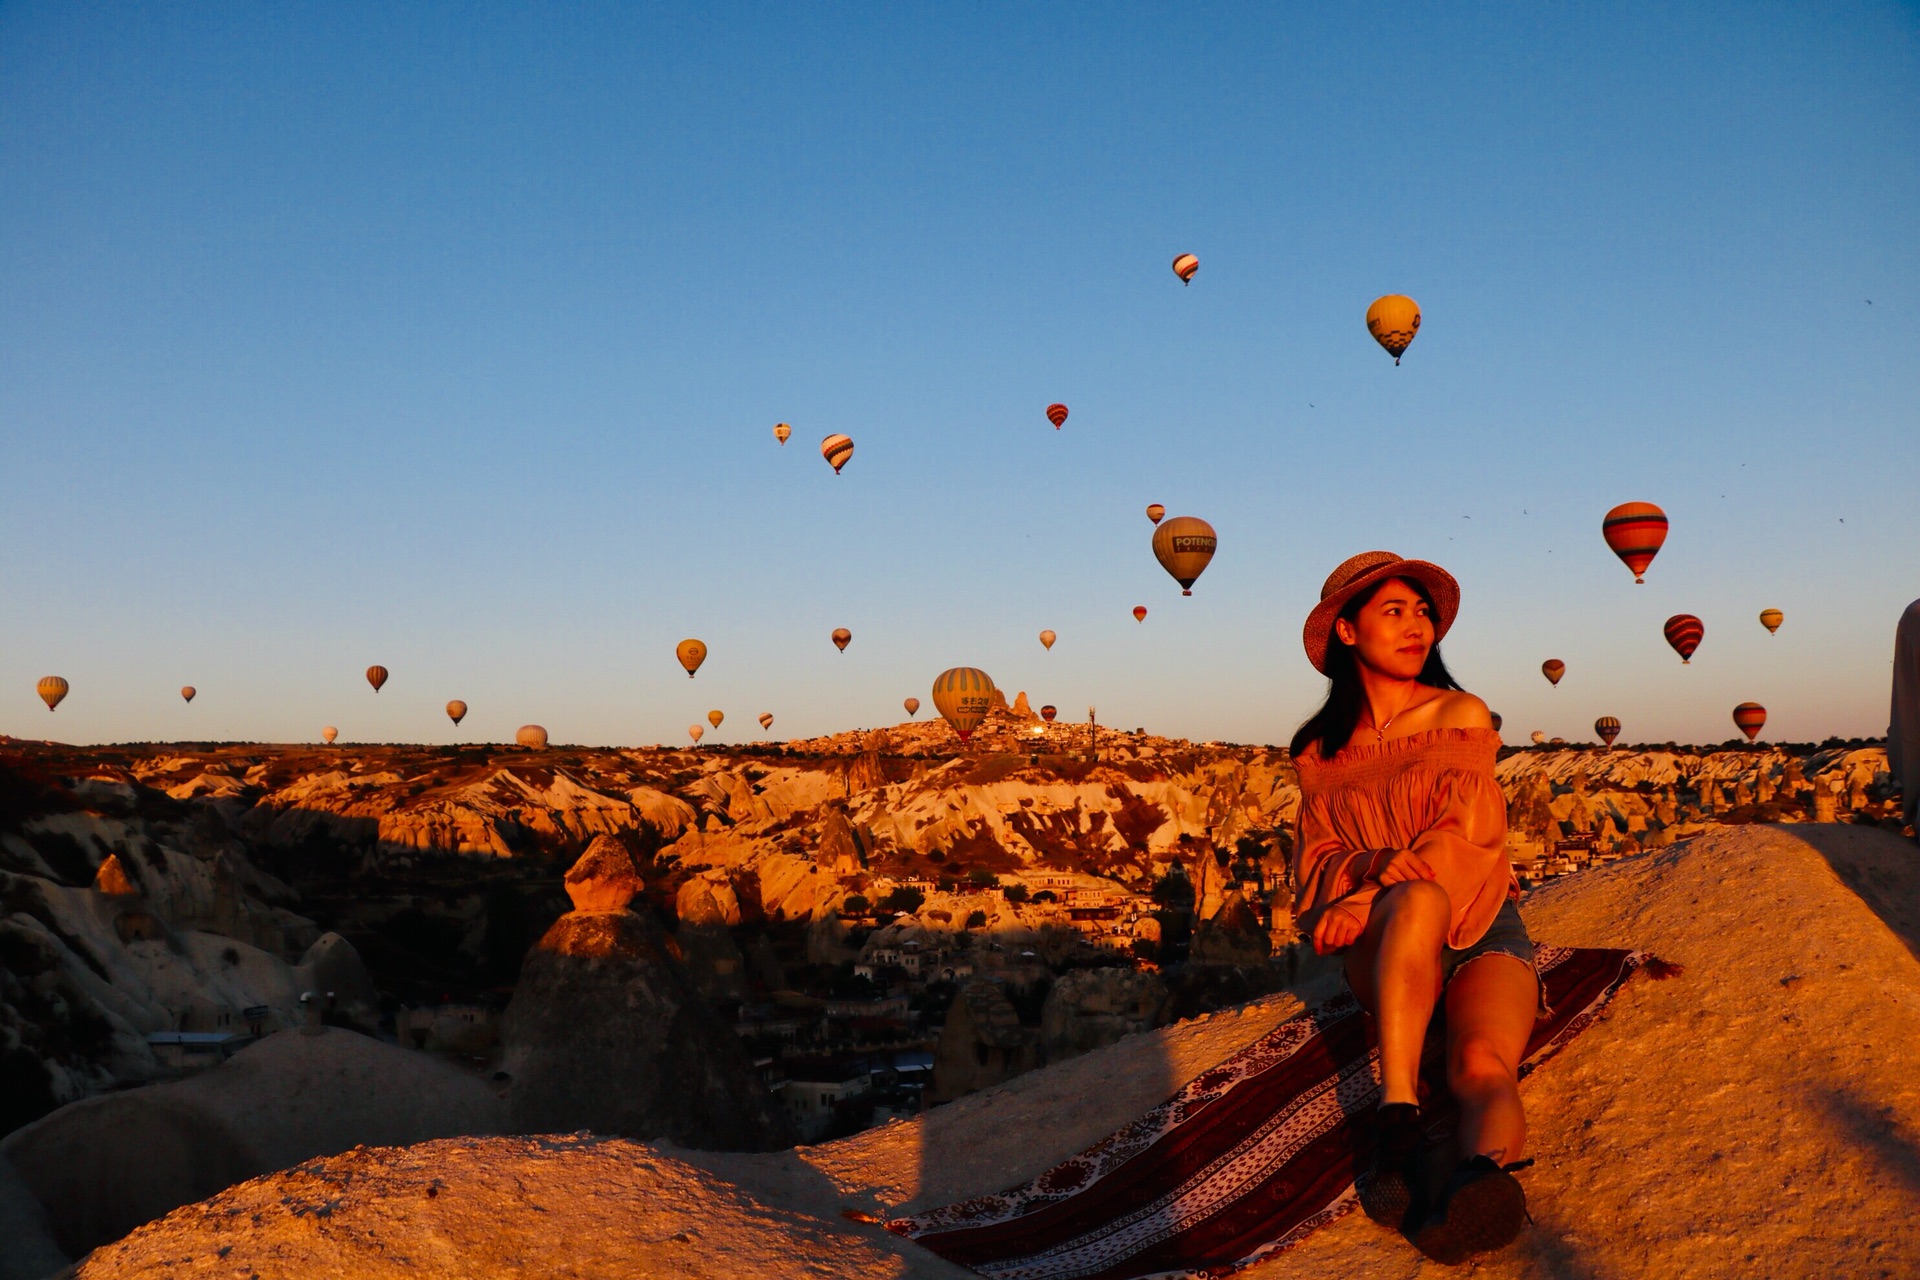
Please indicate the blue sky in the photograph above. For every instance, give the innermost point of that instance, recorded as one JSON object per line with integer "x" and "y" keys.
{"x": 452, "y": 337}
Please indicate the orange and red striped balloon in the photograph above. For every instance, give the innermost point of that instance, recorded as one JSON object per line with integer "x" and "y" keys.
{"x": 1184, "y": 266}
{"x": 837, "y": 450}
{"x": 1751, "y": 717}
{"x": 1635, "y": 531}
{"x": 1553, "y": 669}
{"x": 1139, "y": 613}
{"x": 1056, "y": 414}
{"x": 1607, "y": 728}
{"x": 1683, "y": 633}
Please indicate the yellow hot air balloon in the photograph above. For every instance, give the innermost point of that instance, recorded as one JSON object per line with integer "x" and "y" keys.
{"x": 51, "y": 690}
{"x": 696, "y": 732}
{"x": 1184, "y": 545}
{"x": 1771, "y": 619}
{"x": 1155, "y": 512}
{"x": 328, "y": 734}
{"x": 1047, "y": 638}
{"x": 842, "y": 638}
{"x": 1393, "y": 321}
{"x": 837, "y": 450}
{"x": 187, "y": 691}
{"x": 376, "y": 676}
{"x": 912, "y": 705}
{"x": 691, "y": 654}
{"x": 766, "y": 719}
{"x": 781, "y": 431}
{"x": 715, "y": 717}
{"x": 456, "y": 711}
{"x": 531, "y": 736}
{"x": 963, "y": 695}
{"x": 1184, "y": 266}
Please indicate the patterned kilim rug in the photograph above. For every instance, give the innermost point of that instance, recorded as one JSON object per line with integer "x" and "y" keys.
{"x": 1246, "y": 1160}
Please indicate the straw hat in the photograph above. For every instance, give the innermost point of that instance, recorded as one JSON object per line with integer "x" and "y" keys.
{"x": 1360, "y": 574}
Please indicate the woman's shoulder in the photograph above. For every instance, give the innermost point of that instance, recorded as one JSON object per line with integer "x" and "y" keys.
{"x": 1457, "y": 709}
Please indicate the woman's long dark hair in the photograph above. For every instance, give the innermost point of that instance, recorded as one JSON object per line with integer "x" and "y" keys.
{"x": 1333, "y": 724}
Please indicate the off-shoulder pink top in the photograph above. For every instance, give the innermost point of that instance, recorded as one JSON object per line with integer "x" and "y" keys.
{"x": 1433, "y": 793}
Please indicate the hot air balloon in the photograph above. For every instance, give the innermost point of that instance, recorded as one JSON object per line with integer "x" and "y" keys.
{"x": 456, "y": 711}
{"x": 1139, "y": 613}
{"x": 1607, "y": 728}
{"x": 1155, "y": 512}
{"x": 912, "y": 705}
{"x": 1553, "y": 669}
{"x": 1497, "y": 720}
{"x": 963, "y": 695}
{"x": 696, "y": 731}
{"x": 1683, "y": 633}
{"x": 1750, "y": 716}
{"x": 328, "y": 734}
{"x": 1635, "y": 531}
{"x": 842, "y": 638}
{"x": 1184, "y": 266}
{"x": 51, "y": 690}
{"x": 836, "y": 450}
{"x": 531, "y": 736}
{"x": 781, "y": 431}
{"x": 1184, "y": 545}
{"x": 766, "y": 719}
{"x": 376, "y": 676}
{"x": 1393, "y": 321}
{"x": 1048, "y": 712}
{"x": 1771, "y": 619}
{"x": 187, "y": 691}
{"x": 1056, "y": 414}
{"x": 1047, "y": 638}
{"x": 1539, "y": 738}
{"x": 715, "y": 717}
{"x": 691, "y": 654}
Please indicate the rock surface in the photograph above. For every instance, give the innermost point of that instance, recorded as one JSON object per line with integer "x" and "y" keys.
{"x": 605, "y": 877}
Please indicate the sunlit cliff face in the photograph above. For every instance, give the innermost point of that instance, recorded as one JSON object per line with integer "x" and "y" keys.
{"x": 1393, "y": 632}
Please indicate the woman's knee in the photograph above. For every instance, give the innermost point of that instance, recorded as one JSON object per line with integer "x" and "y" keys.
{"x": 1422, "y": 900}
{"x": 1479, "y": 1061}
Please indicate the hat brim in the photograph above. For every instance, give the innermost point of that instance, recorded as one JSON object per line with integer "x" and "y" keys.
{"x": 1317, "y": 635}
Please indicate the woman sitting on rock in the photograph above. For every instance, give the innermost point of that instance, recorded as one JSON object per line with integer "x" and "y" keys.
{"x": 1401, "y": 865}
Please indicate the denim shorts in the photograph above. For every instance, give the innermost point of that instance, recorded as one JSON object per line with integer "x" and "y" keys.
{"x": 1506, "y": 936}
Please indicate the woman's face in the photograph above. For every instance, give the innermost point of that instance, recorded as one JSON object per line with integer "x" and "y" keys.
{"x": 1392, "y": 633}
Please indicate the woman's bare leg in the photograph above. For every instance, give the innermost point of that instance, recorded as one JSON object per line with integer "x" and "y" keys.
{"x": 1490, "y": 1011}
{"x": 1395, "y": 970}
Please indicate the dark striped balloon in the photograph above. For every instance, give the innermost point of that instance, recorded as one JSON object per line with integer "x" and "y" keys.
{"x": 1056, "y": 414}
{"x": 1553, "y": 669}
{"x": 1607, "y": 728}
{"x": 1635, "y": 531}
{"x": 1750, "y": 717}
{"x": 1683, "y": 633}
{"x": 836, "y": 449}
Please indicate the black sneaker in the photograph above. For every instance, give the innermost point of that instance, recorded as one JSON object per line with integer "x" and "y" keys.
{"x": 1386, "y": 1186}
{"x": 1481, "y": 1209}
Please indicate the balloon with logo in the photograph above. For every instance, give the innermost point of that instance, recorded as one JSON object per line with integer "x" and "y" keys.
{"x": 781, "y": 431}
{"x": 1750, "y": 717}
{"x": 1184, "y": 546}
{"x": 1185, "y": 265}
{"x": 328, "y": 734}
{"x": 912, "y": 705}
{"x": 1683, "y": 632}
{"x": 51, "y": 690}
{"x": 766, "y": 719}
{"x": 1056, "y": 414}
{"x": 1553, "y": 669}
{"x": 1155, "y": 512}
{"x": 1771, "y": 619}
{"x": 842, "y": 638}
{"x": 1139, "y": 613}
{"x": 837, "y": 449}
{"x": 187, "y": 691}
{"x": 1047, "y": 638}
{"x": 1048, "y": 712}
{"x": 963, "y": 696}
{"x": 376, "y": 676}
{"x": 456, "y": 711}
{"x": 691, "y": 654}
{"x": 1394, "y": 321}
{"x": 1636, "y": 531}
{"x": 1607, "y": 728}
{"x": 715, "y": 717}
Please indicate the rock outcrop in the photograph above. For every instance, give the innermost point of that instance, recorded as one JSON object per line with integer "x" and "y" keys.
{"x": 605, "y": 877}
{"x": 1090, "y": 1008}
{"x": 607, "y": 1032}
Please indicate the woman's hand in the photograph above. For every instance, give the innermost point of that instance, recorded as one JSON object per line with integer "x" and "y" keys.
{"x": 1403, "y": 866}
{"x": 1337, "y": 928}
